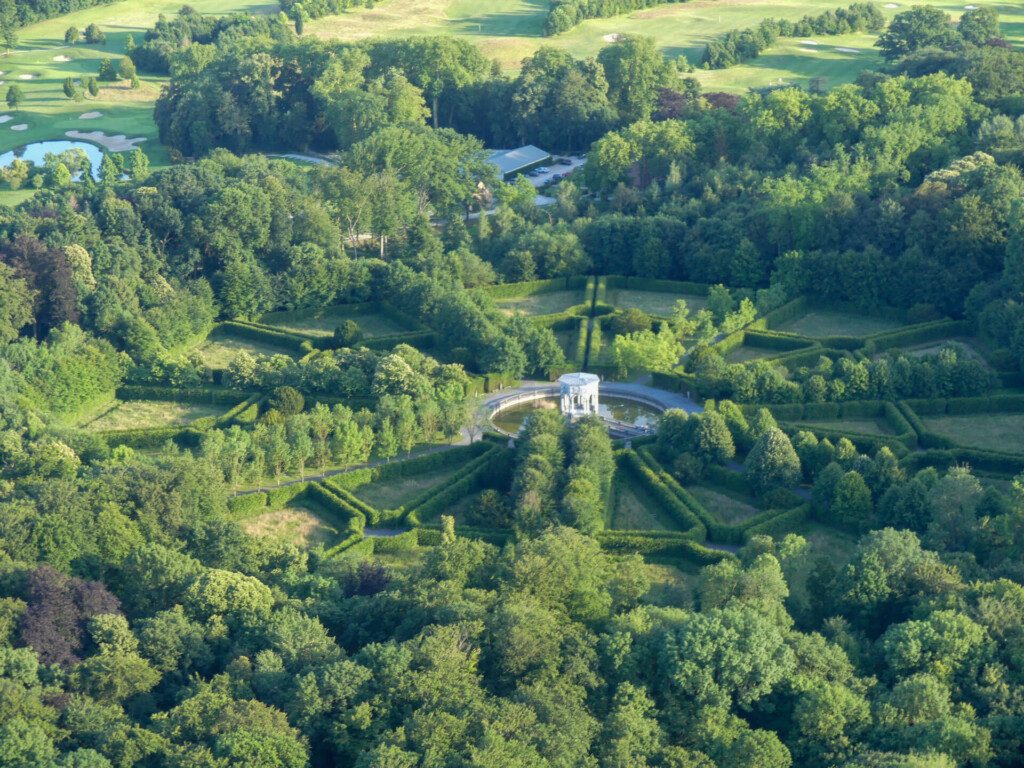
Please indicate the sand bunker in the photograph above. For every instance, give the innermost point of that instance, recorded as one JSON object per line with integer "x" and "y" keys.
{"x": 892, "y": 5}
{"x": 20, "y": 127}
{"x": 62, "y": 58}
{"x": 25, "y": 77}
{"x": 5, "y": 119}
{"x": 808, "y": 42}
{"x": 90, "y": 115}
{"x": 614, "y": 37}
{"x": 847, "y": 50}
{"x": 971, "y": 7}
{"x": 119, "y": 143}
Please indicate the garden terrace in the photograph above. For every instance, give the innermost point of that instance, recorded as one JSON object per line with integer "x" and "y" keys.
{"x": 374, "y": 320}
{"x": 655, "y": 297}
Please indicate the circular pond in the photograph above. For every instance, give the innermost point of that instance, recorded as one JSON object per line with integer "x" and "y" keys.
{"x": 36, "y": 153}
{"x": 618, "y": 408}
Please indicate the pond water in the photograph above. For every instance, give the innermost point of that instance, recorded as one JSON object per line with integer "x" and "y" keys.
{"x": 37, "y": 152}
{"x": 616, "y": 408}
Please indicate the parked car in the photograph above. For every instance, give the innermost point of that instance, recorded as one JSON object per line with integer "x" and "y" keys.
{"x": 564, "y": 161}
{"x": 543, "y": 169}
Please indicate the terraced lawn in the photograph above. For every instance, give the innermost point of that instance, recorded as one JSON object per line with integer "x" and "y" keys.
{"x": 635, "y": 510}
{"x": 221, "y": 347}
{"x": 988, "y": 431}
{"x": 729, "y": 507}
{"x": 396, "y": 491}
{"x": 298, "y": 524}
{"x": 145, "y": 414}
{"x": 864, "y": 426}
{"x": 745, "y": 354}
{"x": 323, "y": 322}
{"x": 541, "y": 303}
{"x": 821, "y": 323}
{"x": 654, "y": 303}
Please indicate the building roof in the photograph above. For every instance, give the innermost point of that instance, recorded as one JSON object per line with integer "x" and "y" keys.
{"x": 512, "y": 160}
{"x": 578, "y": 379}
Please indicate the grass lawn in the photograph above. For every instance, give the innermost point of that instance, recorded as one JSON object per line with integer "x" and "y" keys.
{"x": 745, "y": 354}
{"x": 221, "y": 347}
{"x": 142, "y": 414}
{"x": 541, "y": 303}
{"x": 653, "y": 302}
{"x": 670, "y": 586}
{"x": 820, "y": 323}
{"x": 323, "y": 322}
{"x": 510, "y": 30}
{"x": 727, "y": 506}
{"x": 965, "y": 345}
{"x": 988, "y": 431}
{"x": 863, "y": 426}
{"x": 395, "y": 491}
{"x": 635, "y": 510}
{"x": 41, "y": 53}
{"x": 567, "y": 341}
{"x": 299, "y": 524}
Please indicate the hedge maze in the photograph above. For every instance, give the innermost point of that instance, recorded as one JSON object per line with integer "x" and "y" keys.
{"x": 397, "y": 506}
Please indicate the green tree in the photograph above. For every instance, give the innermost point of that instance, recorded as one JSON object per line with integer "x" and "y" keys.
{"x": 15, "y": 96}
{"x": 94, "y": 35}
{"x": 72, "y": 36}
{"x": 772, "y": 462}
{"x": 920, "y": 27}
{"x": 979, "y": 25}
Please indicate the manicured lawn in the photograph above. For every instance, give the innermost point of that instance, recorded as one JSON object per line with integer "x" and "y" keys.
{"x": 510, "y": 30}
{"x": 541, "y": 303}
{"x": 323, "y": 322}
{"x": 396, "y": 491}
{"x": 863, "y": 426}
{"x": 142, "y": 414}
{"x": 653, "y": 302}
{"x": 727, "y": 506}
{"x": 221, "y": 347}
{"x": 635, "y": 510}
{"x": 297, "y": 524}
{"x": 988, "y": 431}
{"x": 48, "y": 113}
{"x": 821, "y": 323}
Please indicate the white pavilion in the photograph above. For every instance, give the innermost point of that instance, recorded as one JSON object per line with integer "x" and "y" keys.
{"x": 579, "y": 394}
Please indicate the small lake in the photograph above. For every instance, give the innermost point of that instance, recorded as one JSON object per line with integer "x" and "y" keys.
{"x": 35, "y": 153}
{"x": 617, "y": 408}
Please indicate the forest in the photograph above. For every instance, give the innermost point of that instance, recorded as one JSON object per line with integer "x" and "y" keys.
{"x": 259, "y": 505}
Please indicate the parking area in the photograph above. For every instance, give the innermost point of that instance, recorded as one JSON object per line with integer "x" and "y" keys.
{"x": 560, "y": 167}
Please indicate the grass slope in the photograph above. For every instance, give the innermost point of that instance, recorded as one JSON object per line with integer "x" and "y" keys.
{"x": 510, "y": 30}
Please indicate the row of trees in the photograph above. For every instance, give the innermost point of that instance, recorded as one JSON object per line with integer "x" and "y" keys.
{"x": 952, "y": 372}
{"x": 562, "y": 475}
{"x": 741, "y": 45}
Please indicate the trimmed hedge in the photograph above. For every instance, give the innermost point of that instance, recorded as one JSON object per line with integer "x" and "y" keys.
{"x": 781, "y": 523}
{"x": 986, "y": 461}
{"x": 350, "y": 520}
{"x": 434, "y": 501}
{"x": 775, "y": 340}
{"x": 651, "y": 544}
{"x": 267, "y": 335}
{"x": 656, "y": 285}
{"x": 690, "y": 523}
{"x": 915, "y": 334}
{"x": 403, "y": 542}
{"x": 246, "y": 505}
{"x": 429, "y": 534}
{"x": 208, "y": 395}
{"x": 533, "y": 287}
